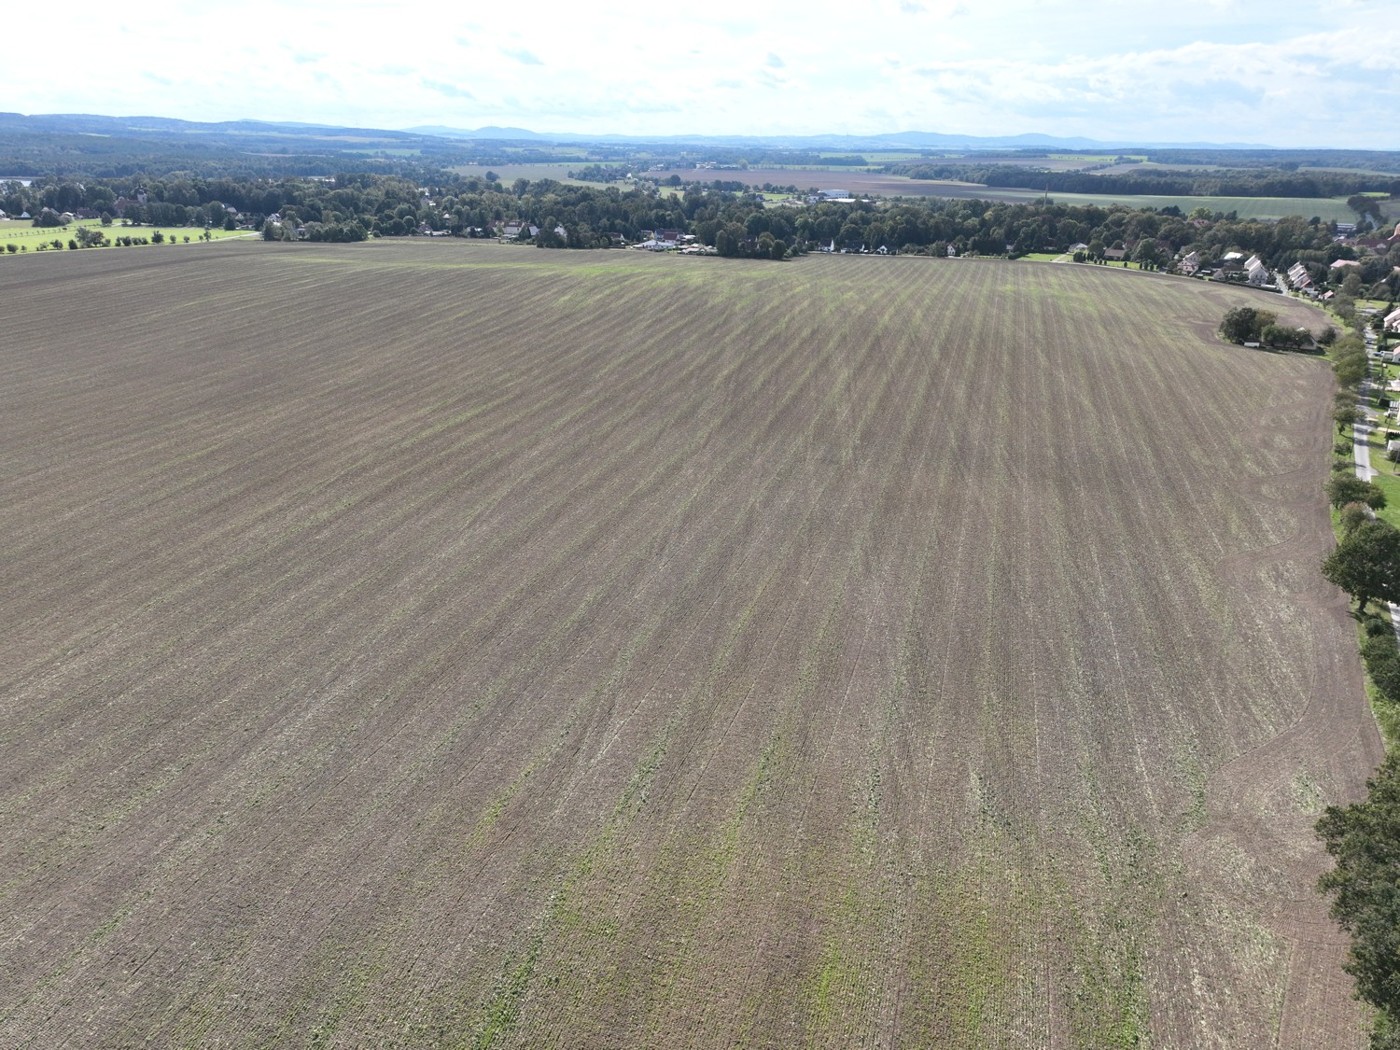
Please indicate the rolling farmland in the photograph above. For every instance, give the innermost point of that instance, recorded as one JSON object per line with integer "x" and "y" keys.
{"x": 857, "y": 180}
{"x": 427, "y": 644}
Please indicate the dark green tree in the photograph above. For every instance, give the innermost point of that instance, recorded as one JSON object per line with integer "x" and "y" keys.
{"x": 1366, "y": 564}
{"x": 1242, "y": 324}
{"x": 1349, "y": 369}
{"x": 729, "y": 240}
{"x": 1364, "y": 839}
{"x": 1146, "y": 254}
{"x": 1348, "y": 488}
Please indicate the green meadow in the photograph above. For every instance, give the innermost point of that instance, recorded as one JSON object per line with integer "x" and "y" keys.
{"x": 30, "y": 238}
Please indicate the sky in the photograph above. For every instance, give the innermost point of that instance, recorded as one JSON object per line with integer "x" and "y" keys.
{"x": 1272, "y": 72}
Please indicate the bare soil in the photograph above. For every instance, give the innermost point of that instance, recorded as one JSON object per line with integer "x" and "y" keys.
{"x": 418, "y": 644}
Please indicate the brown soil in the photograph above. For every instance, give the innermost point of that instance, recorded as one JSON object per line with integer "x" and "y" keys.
{"x": 431, "y": 643}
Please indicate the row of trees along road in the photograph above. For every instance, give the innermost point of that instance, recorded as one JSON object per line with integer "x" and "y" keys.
{"x": 1364, "y": 837}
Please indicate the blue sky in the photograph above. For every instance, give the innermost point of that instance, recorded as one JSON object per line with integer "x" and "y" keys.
{"x": 1277, "y": 72}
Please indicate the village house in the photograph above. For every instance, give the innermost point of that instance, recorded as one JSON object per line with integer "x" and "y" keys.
{"x": 514, "y": 230}
{"x": 1298, "y": 276}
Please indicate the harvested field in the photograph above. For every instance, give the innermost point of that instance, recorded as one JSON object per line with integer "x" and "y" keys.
{"x": 413, "y": 643}
{"x": 874, "y": 183}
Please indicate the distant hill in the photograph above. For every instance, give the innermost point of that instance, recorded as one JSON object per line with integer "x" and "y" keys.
{"x": 279, "y": 133}
{"x": 895, "y": 140}
{"x": 147, "y": 127}
{"x": 76, "y": 144}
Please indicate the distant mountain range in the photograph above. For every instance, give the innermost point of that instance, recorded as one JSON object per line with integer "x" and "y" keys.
{"x": 901, "y": 140}
{"x": 287, "y": 134}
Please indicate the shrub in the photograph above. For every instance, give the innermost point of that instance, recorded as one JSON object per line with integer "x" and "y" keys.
{"x": 1352, "y": 515}
{"x": 1346, "y": 488}
{"x": 1377, "y": 626}
{"x": 1385, "y": 671}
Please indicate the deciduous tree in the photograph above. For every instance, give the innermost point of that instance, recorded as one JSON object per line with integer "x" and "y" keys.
{"x": 1348, "y": 488}
{"x": 1366, "y": 564}
{"x": 1244, "y": 323}
{"x": 1364, "y": 838}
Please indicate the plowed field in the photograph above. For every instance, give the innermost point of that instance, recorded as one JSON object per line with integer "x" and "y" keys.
{"x": 434, "y": 644}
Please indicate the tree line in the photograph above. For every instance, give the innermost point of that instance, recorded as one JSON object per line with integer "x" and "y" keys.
{"x": 1364, "y": 837}
{"x": 733, "y": 220}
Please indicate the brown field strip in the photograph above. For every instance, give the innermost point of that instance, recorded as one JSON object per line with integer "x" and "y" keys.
{"x": 421, "y": 643}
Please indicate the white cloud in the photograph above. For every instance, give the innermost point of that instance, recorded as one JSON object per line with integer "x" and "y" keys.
{"x": 1216, "y": 70}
